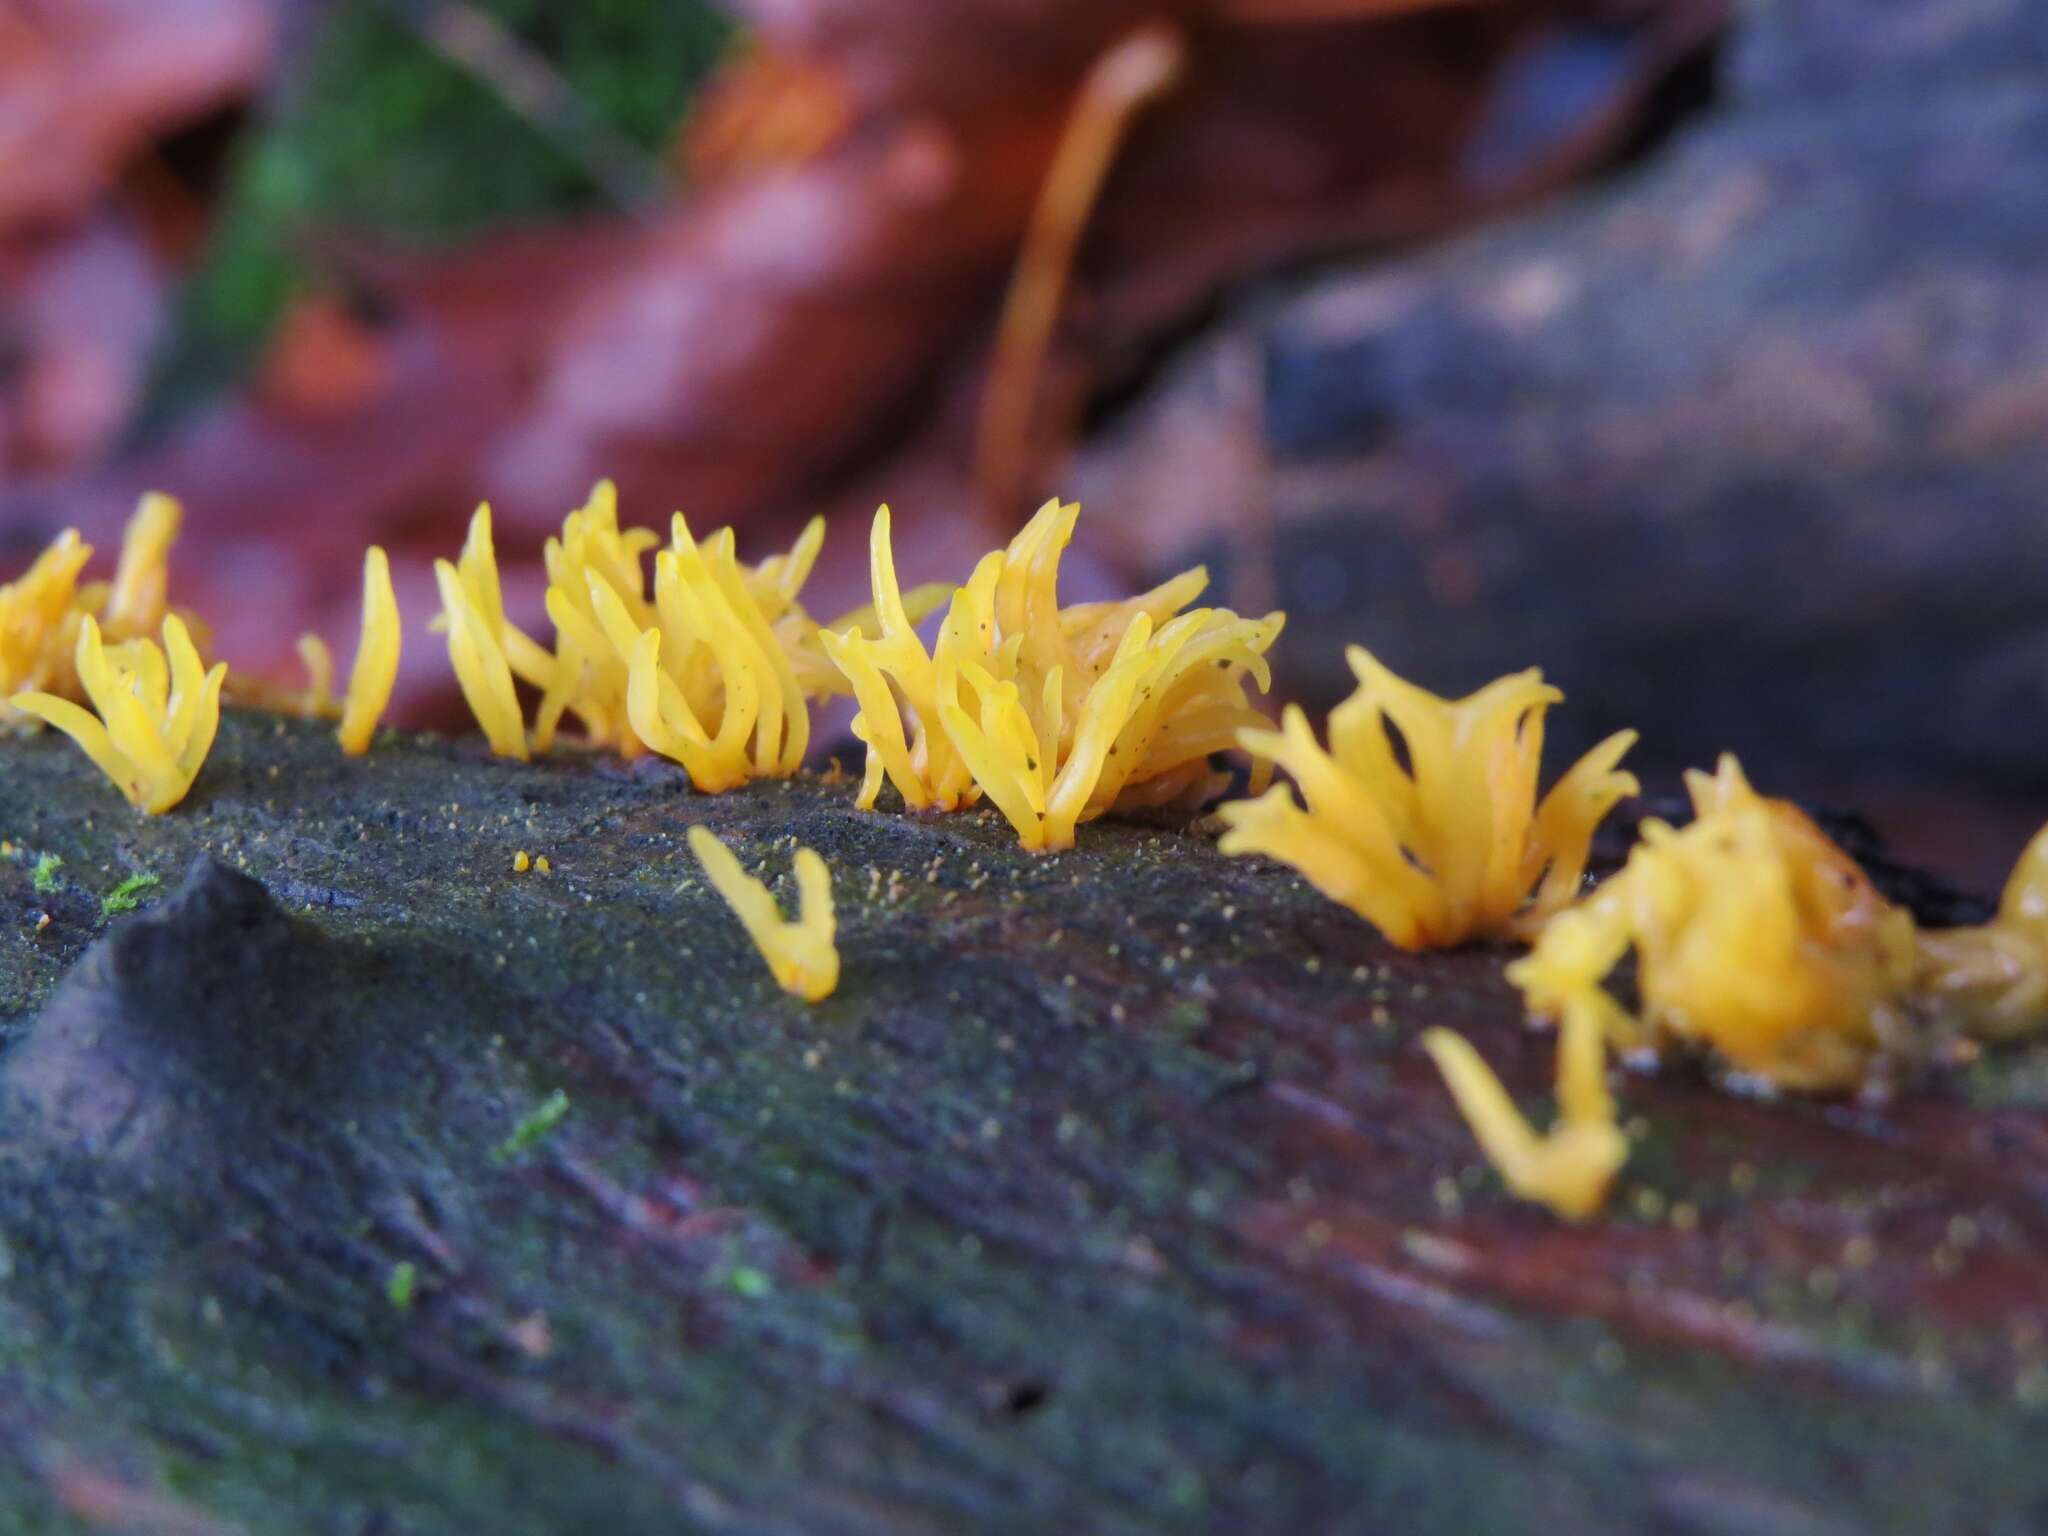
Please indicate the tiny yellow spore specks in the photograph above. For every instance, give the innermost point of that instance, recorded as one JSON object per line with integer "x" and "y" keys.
{"x": 1994, "y": 978}
{"x": 1440, "y": 839}
{"x": 1755, "y": 937}
{"x": 1056, "y": 715}
{"x": 375, "y": 671}
{"x": 158, "y": 711}
{"x": 1569, "y": 1168}
{"x": 799, "y": 951}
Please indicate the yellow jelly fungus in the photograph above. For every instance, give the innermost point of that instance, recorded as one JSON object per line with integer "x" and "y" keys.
{"x": 139, "y": 597}
{"x": 799, "y": 952}
{"x": 318, "y": 700}
{"x": 711, "y": 668}
{"x": 1755, "y": 937}
{"x": 1057, "y": 715}
{"x": 1438, "y": 839}
{"x": 38, "y": 623}
{"x": 542, "y": 866}
{"x": 1569, "y": 1168}
{"x": 588, "y": 678}
{"x": 522, "y": 861}
{"x": 708, "y": 685}
{"x": 1994, "y": 978}
{"x": 41, "y": 612}
{"x": 484, "y": 646}
{"x": 158, "y": 711}
{"x": 375, "y": 671}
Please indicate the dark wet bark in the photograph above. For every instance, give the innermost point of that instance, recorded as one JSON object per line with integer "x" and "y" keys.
{"x": 1109, "y": 1193}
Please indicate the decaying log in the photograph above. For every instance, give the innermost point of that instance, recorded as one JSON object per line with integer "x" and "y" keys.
{"x": 1110, "y": 1192}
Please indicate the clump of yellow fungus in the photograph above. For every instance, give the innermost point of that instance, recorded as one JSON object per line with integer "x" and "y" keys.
{"x": 711, "y": 667}
{"x": 1055, "y": 714}
{"x": 375, "y": 669}
{"x": 1569, "y": 1168}
{"x": 43, "y": 612}
{"x": 1994, "y": 979}
{"x": 1436, "y": 839}
{"x": 799, "y": 951}
{"x": 158, "y": 711}
{"x": 1754, "y": 935}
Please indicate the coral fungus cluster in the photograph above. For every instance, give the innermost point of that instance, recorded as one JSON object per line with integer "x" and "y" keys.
{"x": 1422, "y": 815}
{"x": 43, "y": 612}
{"x": 1055, "y": 714}
{"x": 1759, "y": 943}
{"x": 158, "y": 711}
{"x": 63, "y": 643}
{"x": 711, "y": 667}
{"x": 1754, "y": 935}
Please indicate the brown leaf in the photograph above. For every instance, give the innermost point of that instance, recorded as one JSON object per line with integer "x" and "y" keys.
{"x": 84, "y": 84}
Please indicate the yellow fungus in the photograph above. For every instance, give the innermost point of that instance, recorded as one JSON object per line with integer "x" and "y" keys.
{"x": 1438, "y": 839}
{"x": 542, "y": 866}
{"x": 799, "y": 951}
{"x": 1994, "y": 978}
{"x": 521, "y": 862}
{"x": 1569, "y": 1168}
{"x": 712, "y": 667}
{"x": 1056, "y": 715}
{"x": 375, "y": 670}
{"x": 1754, "y": 935}
{"x": 39, "y": 619}
{"x": 318, "y": 699}
{"x": 588, "y": 678}
{"x": 158, "y": 711}
{"x": 138, "y": 599}
{"x": 41, "y": 611}
{"x": 482, "y": 642}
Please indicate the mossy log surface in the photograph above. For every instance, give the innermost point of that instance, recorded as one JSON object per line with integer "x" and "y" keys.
{"x": 1110, "y": 1193}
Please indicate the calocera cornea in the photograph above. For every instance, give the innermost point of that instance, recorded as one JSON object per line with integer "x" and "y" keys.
{"x": 799, "y": 951}
{"x": 43, "y": 610}
{"x": 1440, "y": 840}
{"x": 158, "y": 710}
{"x": 1056, "y": 715}
{"x": 1993, "y": 979}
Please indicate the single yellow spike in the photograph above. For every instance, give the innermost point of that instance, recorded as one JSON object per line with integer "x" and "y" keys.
{"x": 799, "y": 951}
{"x": 1569, "y": 1168}
{"x": 318, "y": 660}
{"x": 136, "y": 601}
{"x": 375, "y": 671}
{"x": 478, "y": 656}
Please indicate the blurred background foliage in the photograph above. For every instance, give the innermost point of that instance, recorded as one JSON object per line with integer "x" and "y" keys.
{"x": 375, "y": 127}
